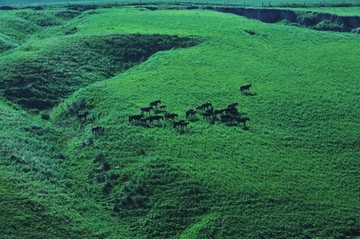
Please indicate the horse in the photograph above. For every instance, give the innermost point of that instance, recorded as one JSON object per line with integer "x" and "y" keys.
{"x": 243, "y": 120}
{"x": 204, "y": 106}
{"x": 143, "y": 121}
{"x": 232, "y": 111}
{"x": 181, "y": 124}
{"x": 190, "y": 113}
{"x": 207, "y": 114}
{"x": 171, "y": 116}
{"x": 146, "y": 109}
{"x": 135, "y": 117}
{"x": 232, "y": 106}
{"x": 155, "y": 103}
{"x": 227, "y": 118}
{"x": 97, "y": 129}
{"x": 155, "y": 117}
{"x": 83, "y": 115}
{"x": 246, "y": 88}
{"x": 219, "y": 112}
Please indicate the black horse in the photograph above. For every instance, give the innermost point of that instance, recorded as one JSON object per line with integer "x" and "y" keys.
{"x": 245, "y": 88}
{"x": 83, "y": 116}
{"x": 155, "y": 117}
{"x": 97, "y": 129}
{"x": 232, "y": 111}
{"x": 232, "y": 106}
{"x": 155, "y": 103}
{"x": 219, "y": 112}
{"x": 190, "y": 113}
{"x": 171, "y": 116}
{"x": 135, "y": 117}
{"x": 180, "y": 124}
{"x": 243, "y": 120}
{"x": 205, "y": 106}
{"x": 208, "y": 114}
{"x": 146, "y": 109}
{"x": 227, "y": 118}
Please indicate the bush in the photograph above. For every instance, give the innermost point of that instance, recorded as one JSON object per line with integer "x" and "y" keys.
{"x": 74, "y": 107}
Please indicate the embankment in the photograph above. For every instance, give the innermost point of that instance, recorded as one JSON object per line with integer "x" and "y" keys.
{"x": 313, "y": 20}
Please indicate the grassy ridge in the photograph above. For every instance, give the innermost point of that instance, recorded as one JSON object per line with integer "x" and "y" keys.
{"x": 292, "y": 174}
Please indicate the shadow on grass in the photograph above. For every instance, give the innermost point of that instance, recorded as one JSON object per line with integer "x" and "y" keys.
{"x": 249, "y": 94}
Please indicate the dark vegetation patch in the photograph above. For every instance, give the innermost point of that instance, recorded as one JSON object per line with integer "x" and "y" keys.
{"x": 67, "y": 14}
{"x": 7, "y": 8}
{"x": 48, "y": 18}
{"x": 250, "y": 32}
{"x": 82, "y": 8}
{"x": 41, "y": 81}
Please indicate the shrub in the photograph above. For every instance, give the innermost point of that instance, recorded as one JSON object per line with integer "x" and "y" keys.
{"x": 74, "y": 107}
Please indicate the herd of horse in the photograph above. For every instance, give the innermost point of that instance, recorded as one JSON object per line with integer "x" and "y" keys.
{"x": 228, "y": 115}
{"x": 156, "y": 111}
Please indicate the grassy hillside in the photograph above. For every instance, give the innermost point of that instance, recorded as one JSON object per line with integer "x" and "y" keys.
{"x": 37, "y": 190}
{"x": 293, "y": 172}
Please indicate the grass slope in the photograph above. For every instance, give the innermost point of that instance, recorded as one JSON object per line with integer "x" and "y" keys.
{"x": 279, "y": 179}
{"x": 292, "y": 174}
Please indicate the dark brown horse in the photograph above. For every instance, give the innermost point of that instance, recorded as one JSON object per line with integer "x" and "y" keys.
{"x": 232, "y": 106}
{"x": 180, "y": 124}
{"x": 227, "y": 118}
{"x": 97, "y": 129}
{"x": 171, "y": 116}
{"x": 205, "y": 106}
{"x": 155, "y": 117}
{"x": 208, "y": 114}
{"x": 245, "y": 88}
{"x": 190, "y": 113}
{"x": 146, "y": 109}
{"x": 243, "y": 120}
{"x": 83, "y": 116}
{"x": 232, "y": 111}
{"x": 135, "y": 117}
{"x": 219, "y": 112}
{"x": 155, "y": 103}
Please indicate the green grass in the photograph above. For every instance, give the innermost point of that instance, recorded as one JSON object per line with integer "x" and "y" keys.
{"x": 292, "y": 174}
